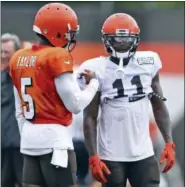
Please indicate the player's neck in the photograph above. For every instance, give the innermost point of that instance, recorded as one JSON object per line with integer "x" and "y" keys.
{"x": 42, "y": 42}
{"x": 116, "y": 60}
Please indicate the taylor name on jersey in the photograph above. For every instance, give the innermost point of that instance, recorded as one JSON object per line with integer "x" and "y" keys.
{"x": 133, "y": 80}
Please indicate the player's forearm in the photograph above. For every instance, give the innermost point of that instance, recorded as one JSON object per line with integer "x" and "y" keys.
{"x": 73, "y": 98}
{"x": 160, "y": 111}
{"x": 90, "y": 124}
{"x": 90, "y": 134}
{"x": 83, "y": 98}
{"x": 162, "y": 119}
{"x": 20, "y": 120}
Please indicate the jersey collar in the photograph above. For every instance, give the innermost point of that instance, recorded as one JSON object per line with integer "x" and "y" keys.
{"x": 37, "y": 47}
{"x": 115, "y": 60}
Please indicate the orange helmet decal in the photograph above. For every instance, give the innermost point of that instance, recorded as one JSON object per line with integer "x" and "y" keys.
{"x": 57, "y": 22}
{"x": 120, "y": 23}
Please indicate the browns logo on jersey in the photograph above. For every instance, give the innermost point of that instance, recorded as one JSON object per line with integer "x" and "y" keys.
{"x": 33, "y": 71}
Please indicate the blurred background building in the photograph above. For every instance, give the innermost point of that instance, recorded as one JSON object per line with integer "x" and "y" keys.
{"x": 162, "y": 30}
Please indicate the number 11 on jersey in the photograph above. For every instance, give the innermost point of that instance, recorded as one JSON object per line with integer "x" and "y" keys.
{"x": 28, "y": 113}
{"x": 118, "y": 84}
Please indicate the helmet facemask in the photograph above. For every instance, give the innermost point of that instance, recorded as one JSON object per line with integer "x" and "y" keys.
{"x": 121, "y": 44}
{"x": 71, "y": 38}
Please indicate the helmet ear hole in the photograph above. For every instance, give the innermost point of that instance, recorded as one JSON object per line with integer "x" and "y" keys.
{"x": 58, "y": 35}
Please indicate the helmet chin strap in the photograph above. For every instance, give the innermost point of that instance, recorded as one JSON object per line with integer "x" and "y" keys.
{"x": 123, "y": 55}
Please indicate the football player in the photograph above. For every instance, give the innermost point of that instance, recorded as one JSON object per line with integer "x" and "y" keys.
{"x": 46, "y": 95}
{"x": 129, "y": 82}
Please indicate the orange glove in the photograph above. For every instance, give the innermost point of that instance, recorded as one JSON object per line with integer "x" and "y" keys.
{"x": 97, "y": 168}
{"x": 168, "y": 154}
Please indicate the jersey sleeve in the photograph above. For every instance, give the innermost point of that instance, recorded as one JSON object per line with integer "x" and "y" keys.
{"x": 157, "y": 64}
{"x": 10, "y": 70}
{"x": 11, "y": 62}
{"x": 59, "y": 63}
{"x": 73, "y": 98}
{"x": 96, "y": 65}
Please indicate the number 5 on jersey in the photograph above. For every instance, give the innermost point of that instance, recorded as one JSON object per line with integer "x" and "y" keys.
{"x": 29, "y": 109}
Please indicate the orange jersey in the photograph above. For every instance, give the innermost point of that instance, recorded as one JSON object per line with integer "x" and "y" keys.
{"x": 33, "y": 72}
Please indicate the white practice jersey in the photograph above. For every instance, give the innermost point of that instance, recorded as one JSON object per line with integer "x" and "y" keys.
{"x": 123, "y": 125}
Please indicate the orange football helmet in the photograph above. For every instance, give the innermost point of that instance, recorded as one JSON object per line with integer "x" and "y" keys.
{"x": 58, "y": 23}
{"x": 120, "y": 34}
